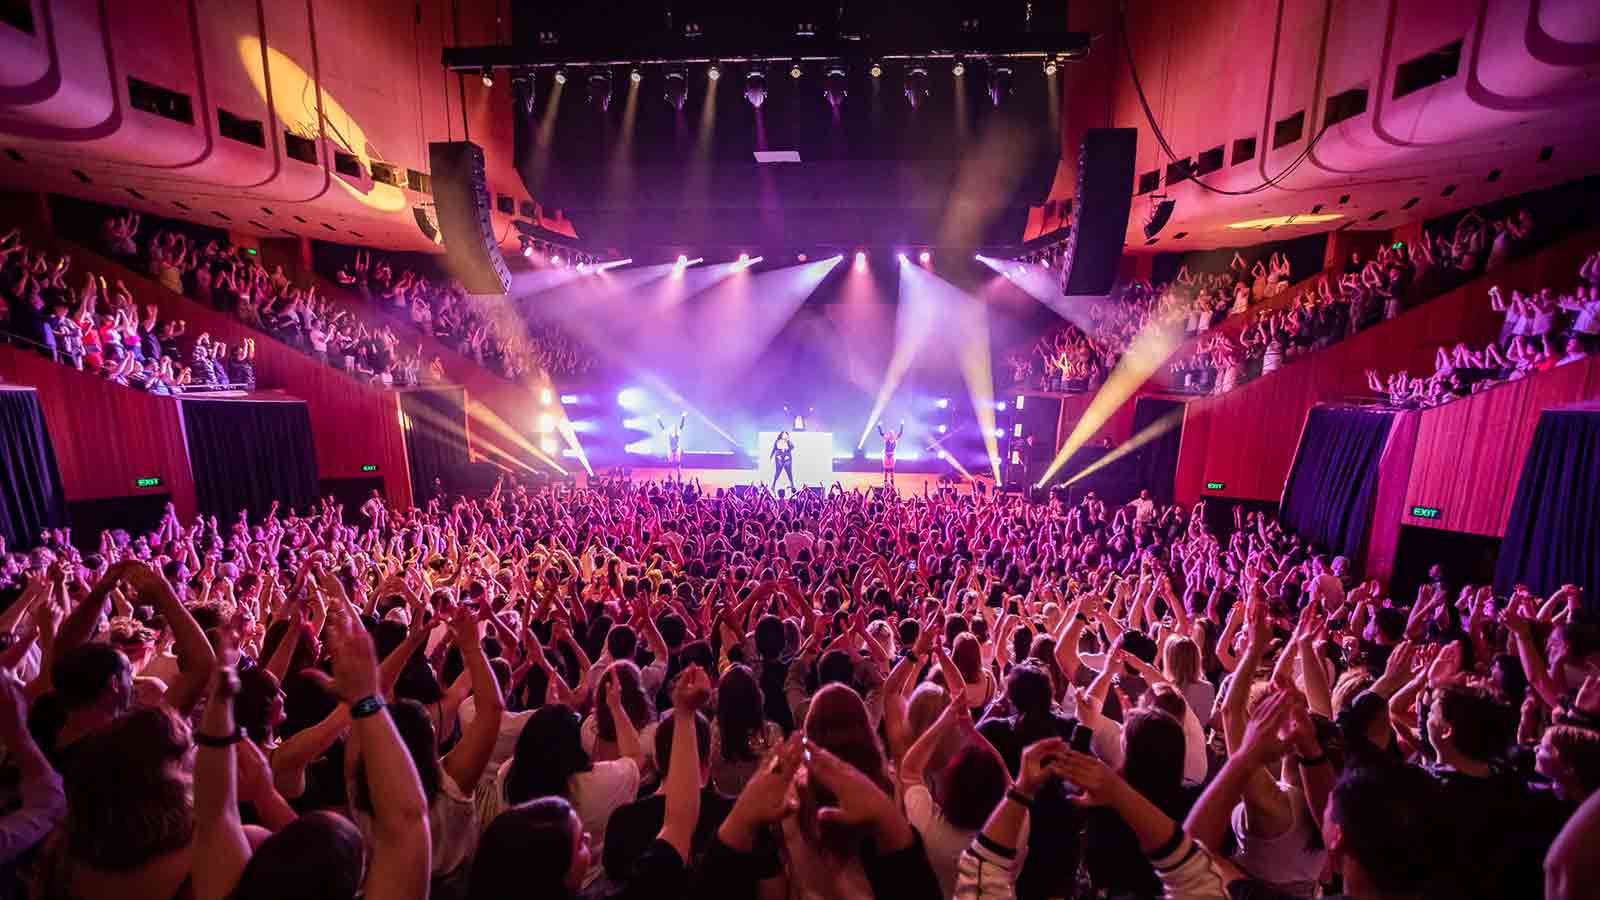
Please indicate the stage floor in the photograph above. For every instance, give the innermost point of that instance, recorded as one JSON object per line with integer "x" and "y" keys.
{"x": 905, "y": 482}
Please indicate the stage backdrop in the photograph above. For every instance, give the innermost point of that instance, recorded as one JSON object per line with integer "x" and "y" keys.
{"x": 1553, "y": 536}
{"x": 813, "y": 458}
{"x": 1329, "y": 495}
{"x": 247, "y": 453}
{"x": 30, "y": 484}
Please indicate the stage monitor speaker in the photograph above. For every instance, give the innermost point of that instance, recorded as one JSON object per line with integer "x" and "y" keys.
{"x": 461, "y": 204}
{"x": 1100, "y": 211}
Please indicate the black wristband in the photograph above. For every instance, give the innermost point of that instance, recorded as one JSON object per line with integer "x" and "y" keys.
{"x": 212, "y": 740}
{"x": 366, "y": 706}
{"x": 1019, "y": 798}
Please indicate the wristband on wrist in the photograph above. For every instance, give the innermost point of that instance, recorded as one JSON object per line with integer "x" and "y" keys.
{"x": 366, "y": 706}
{"x": 1019, "y": 798}
{"x": 212, "y": 740}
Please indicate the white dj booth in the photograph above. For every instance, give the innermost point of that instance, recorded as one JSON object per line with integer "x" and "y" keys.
{"x": 813, "y": 458}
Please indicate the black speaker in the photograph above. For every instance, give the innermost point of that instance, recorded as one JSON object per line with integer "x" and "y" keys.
{"x": 1100, "y": 211}
{"x": 1158, "y": 217}
{"x": 461, "y": 204}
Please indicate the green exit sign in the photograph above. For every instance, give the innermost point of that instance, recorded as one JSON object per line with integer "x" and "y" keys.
{"x": 369, "y": 467}
{"x": 1215, "y": 485}
{"x": 147, "y": 482}
{"x": 1425, "y": 512}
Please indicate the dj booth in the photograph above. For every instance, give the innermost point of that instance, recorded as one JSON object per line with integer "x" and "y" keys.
{"x": 813, "y": 458}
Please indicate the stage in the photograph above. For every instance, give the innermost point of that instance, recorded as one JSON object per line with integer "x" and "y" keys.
{"x": 906, "y": 483}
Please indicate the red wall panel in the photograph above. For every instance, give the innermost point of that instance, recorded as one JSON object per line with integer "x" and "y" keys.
{"x": 1470, "y": 453}
{"x": 106, "y": 436}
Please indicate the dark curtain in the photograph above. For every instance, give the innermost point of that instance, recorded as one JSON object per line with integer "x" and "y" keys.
{"x": 1158, "y": 459}
{"x": 30, "y": 484}
{"x": 247, "y": 453}
{"x": 436, "y": 438}
{"x": 1334, "y": 480}
{"x": 1553, "y": 536}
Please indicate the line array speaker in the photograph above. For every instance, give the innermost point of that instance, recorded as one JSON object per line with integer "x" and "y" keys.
{"x": 1100, "y": 212}
{"x": 461, "y": 204}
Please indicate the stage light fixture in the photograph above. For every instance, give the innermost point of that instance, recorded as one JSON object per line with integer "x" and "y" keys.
{"x": 555, "y": 260}
{"x": 1000, "y": 406}
{"x": 714, "y": 72}
{"x": 488, "y": 77}
{"x": 677, "y": 91}
{"x": 876, "y": 71}
{"x": 527, "y": 251}
{"x": 861, "y": 261}
{"x": 836, "y": 87}
{"x": 1000, "y": 84}
{"x": 795, "y": 71}
{"x": 636, "y": 76}
{"x": 583, "y": 268}
{"x": 600, "y": 90}
{"x": 943, "y": 403}
{"x": 1050, "y": 66}
{"x": 917, "y": 86}
{"x": 683, "y": 260}
{"x": 547, "y": 423}
{"x": 959, "y": 69}
{"x": 744, "y": 260}
{"x": 942, "y": 430}
{"x": 999, "y": 432}
{"x": 755, "y": 89}
{"x": 631, "y": 398}
{"x": 569, "y": 399}
{"x": 544, "y": 396}
{"x": 561, "y": 76}
{"x": 902, "y": 257}
{"x": 925, "y": 257}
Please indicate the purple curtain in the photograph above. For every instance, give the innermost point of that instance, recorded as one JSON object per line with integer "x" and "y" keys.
{"x": 30, "y": 483}
{"x": 1328, "y": 498}
{"x": 1553, "y": 536}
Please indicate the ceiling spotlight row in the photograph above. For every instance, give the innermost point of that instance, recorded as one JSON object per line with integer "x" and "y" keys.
{"x": 835, "y": 79}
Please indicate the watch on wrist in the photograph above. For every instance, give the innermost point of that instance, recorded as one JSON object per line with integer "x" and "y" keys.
{"x": 366, "y": 706}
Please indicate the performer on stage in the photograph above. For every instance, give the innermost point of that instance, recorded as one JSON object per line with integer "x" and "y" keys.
{"x": 783, "y": 460}
{"x": 890, "y": 440}
{"x": 674, "y": 444}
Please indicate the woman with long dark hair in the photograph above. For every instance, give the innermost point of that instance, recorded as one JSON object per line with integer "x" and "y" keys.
{"x": 550, "y": 762}
{"x": 741, "y": 735}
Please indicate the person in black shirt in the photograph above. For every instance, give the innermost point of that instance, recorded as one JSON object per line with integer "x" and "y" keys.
{"x": 633, "y": 828}
{"x": 783, "y": 459}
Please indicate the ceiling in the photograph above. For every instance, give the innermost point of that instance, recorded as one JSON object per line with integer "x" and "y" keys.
{"x": 1392, "y": 131}
{"x": 288, "y": 117}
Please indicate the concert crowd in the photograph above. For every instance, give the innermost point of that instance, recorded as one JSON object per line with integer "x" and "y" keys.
{"x": 646, "y": 690}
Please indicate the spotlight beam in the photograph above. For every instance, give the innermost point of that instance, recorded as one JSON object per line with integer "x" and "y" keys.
{"x": 1147, "y": 434}
{"x": 1149, "y": 351}
{"x": 914, "y": 316}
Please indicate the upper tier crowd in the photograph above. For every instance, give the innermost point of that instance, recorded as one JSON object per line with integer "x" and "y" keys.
{"x": 645, "y": 690}
{"x": 1364, "y": 293}
{"x": 509, "y": 344}
{"x": 98, "y": 328}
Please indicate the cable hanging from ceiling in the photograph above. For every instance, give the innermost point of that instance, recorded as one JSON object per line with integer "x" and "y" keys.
{"x": 1155, "y": 129}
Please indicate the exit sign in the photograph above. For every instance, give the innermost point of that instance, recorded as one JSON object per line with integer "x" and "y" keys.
{"x": 1425, "y": 512}
{"x": 369, "y": 467}
{"x": 1215, "y": 485}
{"x": 147, "y": 482}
